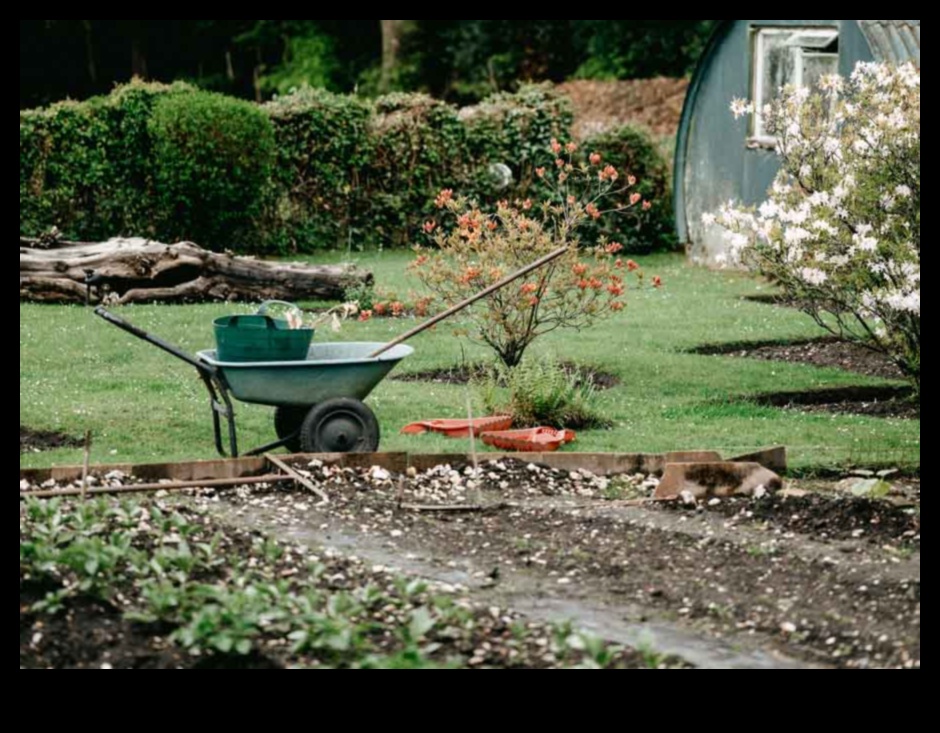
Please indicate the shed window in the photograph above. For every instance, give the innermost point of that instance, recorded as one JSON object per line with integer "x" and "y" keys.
{"x": 798, "y": 56}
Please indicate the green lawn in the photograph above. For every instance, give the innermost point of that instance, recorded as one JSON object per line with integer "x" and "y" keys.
{"x": 78, "y": 373}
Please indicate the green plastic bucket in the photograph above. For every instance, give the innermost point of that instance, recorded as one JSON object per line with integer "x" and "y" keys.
{"x": 260, "y": 337}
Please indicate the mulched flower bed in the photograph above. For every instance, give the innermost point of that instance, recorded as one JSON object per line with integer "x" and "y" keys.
{"x": 464, "y": 374}
{"x": 822, "y": 352}
{"x": 34, "y": 441}
{"x": 889, "y": 402}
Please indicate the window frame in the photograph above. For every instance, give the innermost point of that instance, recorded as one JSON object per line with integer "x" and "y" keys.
{"x": 757, "y": 137}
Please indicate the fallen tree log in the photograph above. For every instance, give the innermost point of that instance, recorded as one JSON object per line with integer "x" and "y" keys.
{"x": 122, "y": 271}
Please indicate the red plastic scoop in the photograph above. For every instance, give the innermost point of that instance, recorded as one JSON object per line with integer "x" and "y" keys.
{"x": 459, "y": 428}
{"x": 531, "y": 439}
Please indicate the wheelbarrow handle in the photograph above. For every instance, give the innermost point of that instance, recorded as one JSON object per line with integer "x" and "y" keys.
{"x": 204, "y": 369}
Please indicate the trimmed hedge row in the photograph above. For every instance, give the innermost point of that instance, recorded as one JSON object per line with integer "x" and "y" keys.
{"x": 306, "y": 171}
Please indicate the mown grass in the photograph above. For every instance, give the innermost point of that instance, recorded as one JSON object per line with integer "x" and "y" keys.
{"x": 78, "y": 373}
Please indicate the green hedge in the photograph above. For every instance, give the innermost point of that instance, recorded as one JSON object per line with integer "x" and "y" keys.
{"x": 213, "y": 157}
{"x": 633, "y": 152}
{"x": 306, "y": 171}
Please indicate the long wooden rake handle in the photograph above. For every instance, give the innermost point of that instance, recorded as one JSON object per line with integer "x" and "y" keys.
{"x": 471, "y": 300}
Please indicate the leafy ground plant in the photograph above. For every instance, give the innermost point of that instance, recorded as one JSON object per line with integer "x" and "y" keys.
{"x": 112, "y": 584}
{"x": 540, "y": 391}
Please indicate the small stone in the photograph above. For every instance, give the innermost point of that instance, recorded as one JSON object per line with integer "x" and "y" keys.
{"x": 396, "y": 533}
{"x": 106, "y": 665}
{"x": 533, "y": 468}
{"x": 412, "y": 472}
{"x": 788, "y": 627}
{"x": 564, "y": 581}
{"x": 48, "y": 484}
{"x": 115, "y": 475}
{"x": 380, "y": 474}
{"x": 760, "y": 492}
{"x": 24, "y": 485}
{"x": 687, "y": 498}
{"x": 714, "y": 502}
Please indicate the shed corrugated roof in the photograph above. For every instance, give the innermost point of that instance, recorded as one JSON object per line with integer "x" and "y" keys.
{"x": 895, "y": 41}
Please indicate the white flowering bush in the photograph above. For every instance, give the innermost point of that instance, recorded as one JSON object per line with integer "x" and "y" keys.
{"x": 840, "y": 230}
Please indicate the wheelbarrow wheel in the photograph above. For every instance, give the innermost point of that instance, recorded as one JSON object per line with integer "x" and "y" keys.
{"x": 288, "y": 420}
{"x": 340, "y": 425}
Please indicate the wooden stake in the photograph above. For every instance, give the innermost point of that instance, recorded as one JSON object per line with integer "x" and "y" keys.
{"x": 302, "y": 480}
{"x": 85, "y": 461}
{"x": 471, "y": 300}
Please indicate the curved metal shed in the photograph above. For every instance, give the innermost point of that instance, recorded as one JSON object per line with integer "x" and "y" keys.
{"x": 719, "y": 158}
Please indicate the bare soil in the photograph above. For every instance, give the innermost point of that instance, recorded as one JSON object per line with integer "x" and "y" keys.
{"x": 888, "y": 401}
{"x": 822, "y": 352}
{"x": 812, "y": 581}
{"x": 33, "y": 441}
{"x": 464, "y": 374}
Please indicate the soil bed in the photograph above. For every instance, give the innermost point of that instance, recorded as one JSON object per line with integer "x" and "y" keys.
{"x": 34, "y": 441}
{"x": 823, "y": 352}
{"x": 888, "y": 401}
{"x": 464, "y": 374}
{"x": 776, "y": 580}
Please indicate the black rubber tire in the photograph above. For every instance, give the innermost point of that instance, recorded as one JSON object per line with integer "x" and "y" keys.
{"x": 340, "y": 425}
{"x": 288, "y": 420}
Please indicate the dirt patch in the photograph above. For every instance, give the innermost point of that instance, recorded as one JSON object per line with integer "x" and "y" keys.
{"x": 464, "y": 374}
{"x": 824, "y": 517}
{"x": 741, "y": 581}
{"x": 34, "y": 441}
{"x": 604, "y": 105}
{"x": 888, "y": 401}
{"x": 821, "y": 352}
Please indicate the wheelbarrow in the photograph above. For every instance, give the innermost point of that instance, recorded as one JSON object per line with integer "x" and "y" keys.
{"x": 318, "y": 401}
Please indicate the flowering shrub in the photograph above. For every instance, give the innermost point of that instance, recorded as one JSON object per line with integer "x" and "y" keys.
{"x": 476, "y": 249}
{"x": 840, "y": 230}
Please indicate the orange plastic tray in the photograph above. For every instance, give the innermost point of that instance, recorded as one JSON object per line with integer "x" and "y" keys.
{"x": 459, "y": 428}
{"x": 529, "y": 439}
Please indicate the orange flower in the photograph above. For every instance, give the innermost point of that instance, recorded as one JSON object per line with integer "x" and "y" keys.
{"x": 609, "y": 174}
{"x": 421, "y": 307}
{"x": 572, "y": 200}
{"x": 556, "y": 146}
{"x": 634, "y": 199}
{"x": 380, "y": 309}
{"x": 613, "y": 248}
{"x": 421, "y": 260}
{"x": 593, "y": 211}
{"x": 595, "y": 284}
{"x": 631, "y": 180}
{"x": 365, "y": 315}
{"x": 529, "y": 288}
{"x": 492, "y": 225}
{"x": 618, "y": 264}
{"x": 615, "y": 289}
{"x": 595, "y": 159}
{"x": 397, "y": 308}
{"x": 583, "y": 284}
{"x": 579, "y": 269}
{"x": 562, "y": 177}
{"x": 534, "y": 301}
{"x": 657, "y": 282}
{"x": 540, "y": 172}
{"x": 527, "y": 204}
{"x": 647, "y": 205}
{"x": 560, "y": 163}
{"x": 632, "y": 266}
{"x": 616, "y": 306}
{"x": 444, "y": 197}
{"x": 429, "y": 226}
{"x": 571, "y": 147}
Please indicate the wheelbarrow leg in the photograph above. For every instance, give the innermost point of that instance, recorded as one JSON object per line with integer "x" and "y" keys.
{"x": 219, "y": 407}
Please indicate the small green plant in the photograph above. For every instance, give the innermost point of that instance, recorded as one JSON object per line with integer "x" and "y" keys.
{"x": 361, "y": 293}
{"x": 540, "y": 391}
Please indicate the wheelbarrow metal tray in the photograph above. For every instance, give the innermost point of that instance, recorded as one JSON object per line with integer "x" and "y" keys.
{"x": 330, "y": 370}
